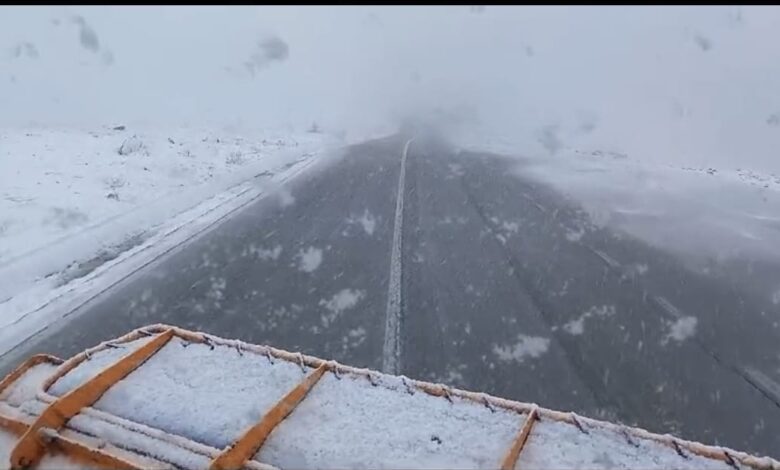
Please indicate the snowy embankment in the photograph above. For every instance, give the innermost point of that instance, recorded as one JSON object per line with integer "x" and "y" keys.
{"x": 705, "y": 212}
{"x": 73, "y": 201}
{"x": 718, "y": 213}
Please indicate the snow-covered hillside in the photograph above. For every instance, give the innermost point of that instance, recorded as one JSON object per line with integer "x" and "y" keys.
{"x": 58, "y": 182}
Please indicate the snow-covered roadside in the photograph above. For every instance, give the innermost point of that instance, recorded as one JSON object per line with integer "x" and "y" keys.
{"x": 56, "y": 183}
{"x": 62, "y": 237}
{"x": 705, "y": 212}
{"x": 716, "y": 213}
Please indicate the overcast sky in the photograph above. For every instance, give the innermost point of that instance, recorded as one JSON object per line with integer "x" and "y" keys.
{"x": 695, "y": 84}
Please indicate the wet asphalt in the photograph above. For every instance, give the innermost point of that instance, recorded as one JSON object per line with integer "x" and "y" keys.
{"x": 506, "y": 288}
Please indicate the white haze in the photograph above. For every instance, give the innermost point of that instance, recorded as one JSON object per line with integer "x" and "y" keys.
{"x": 685, "y": 84}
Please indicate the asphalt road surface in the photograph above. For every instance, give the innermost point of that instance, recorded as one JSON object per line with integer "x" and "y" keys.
{"x": 496, "y": 283}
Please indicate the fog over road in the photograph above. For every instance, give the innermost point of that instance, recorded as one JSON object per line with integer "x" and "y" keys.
{"x": 503, "y": 286}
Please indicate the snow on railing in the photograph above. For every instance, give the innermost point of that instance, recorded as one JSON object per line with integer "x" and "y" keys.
{"x": 62, "y": 415}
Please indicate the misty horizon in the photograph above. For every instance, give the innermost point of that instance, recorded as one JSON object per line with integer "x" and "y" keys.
{"x": 692, "y": 85}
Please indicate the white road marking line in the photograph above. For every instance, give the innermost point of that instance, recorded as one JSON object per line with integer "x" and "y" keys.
{"x": 391, "y": 351}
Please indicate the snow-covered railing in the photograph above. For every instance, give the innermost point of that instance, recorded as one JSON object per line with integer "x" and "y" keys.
{"x": 162, "y": 396}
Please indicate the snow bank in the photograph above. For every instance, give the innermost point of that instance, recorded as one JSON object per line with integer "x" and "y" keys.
{"x": 718, "y": 212}
{"x": 75, "y": 201}
{"x": 49, "y": 461}
{"x": 21, "y": 392}
{"x": 58, "y": 184}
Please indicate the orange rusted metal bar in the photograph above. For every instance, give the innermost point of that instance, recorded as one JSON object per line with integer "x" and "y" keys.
{"x": 697, "y": 448}
{"x": 510, "y": 459}
{"x": 76, "y": 451}
{"x": 13, "y": 425}
{"x": 76, "y": 360}
{"x": 30, "y": 448}
{"x": 23, "y": 367}
{"x": 85, "y": 455}
{"x": 236, "y": 455}
{"x": 437, "y": 390}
